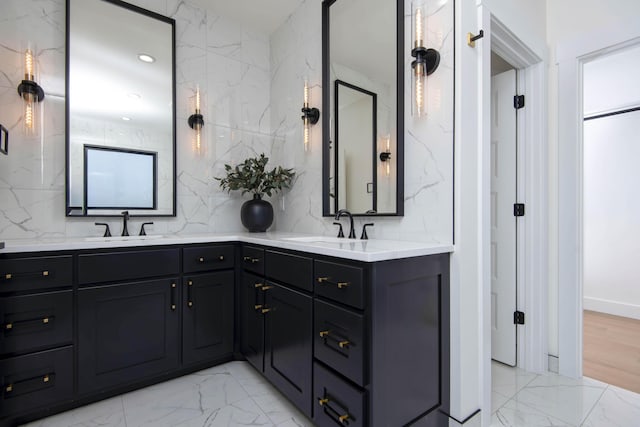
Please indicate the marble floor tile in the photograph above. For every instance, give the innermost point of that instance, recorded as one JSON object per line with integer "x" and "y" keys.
{"x": 567, "y": 399}
{"x": 616, "y": 408}
{"x": 497, "y": 400}
{"x": 516, "y": 414}
{"x": 107, "y": 413}
{"x": 508, "y": 381}
{"x": 241, "y": 413}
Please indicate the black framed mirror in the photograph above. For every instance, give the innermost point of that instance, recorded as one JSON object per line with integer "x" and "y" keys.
{"x": 363, "y": 51}
{"x": 120, "y": 103}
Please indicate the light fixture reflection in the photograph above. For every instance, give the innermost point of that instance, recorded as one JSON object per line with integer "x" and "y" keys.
{"x": 310, "y": 116}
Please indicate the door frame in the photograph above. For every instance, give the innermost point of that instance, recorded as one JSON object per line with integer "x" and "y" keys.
{"x": 532, "y": 173}
{"x": 570, "y": 58}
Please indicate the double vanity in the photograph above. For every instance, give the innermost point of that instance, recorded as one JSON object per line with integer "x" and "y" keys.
{"x": 352, "y": 332}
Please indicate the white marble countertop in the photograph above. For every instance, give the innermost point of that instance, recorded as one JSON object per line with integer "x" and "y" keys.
{"x": 361, "y": 250}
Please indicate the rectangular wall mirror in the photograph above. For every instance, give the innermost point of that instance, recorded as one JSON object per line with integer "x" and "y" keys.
{"x": 120, "y": 105}
{"x": 363, "y": 101}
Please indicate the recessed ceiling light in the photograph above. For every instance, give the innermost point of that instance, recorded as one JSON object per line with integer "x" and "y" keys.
{"x": 146, "y": 58}
{"x": 126, "y": 119}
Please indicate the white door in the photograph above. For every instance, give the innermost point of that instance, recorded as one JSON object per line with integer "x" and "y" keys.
{"x": 503, "y": 222}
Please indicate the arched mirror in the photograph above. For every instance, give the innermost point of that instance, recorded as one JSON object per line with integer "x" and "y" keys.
{"x": 363, "y": 101}
{"x": 120, "y": 110}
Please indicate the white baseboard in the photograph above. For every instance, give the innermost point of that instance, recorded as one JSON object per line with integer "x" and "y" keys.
{"x": 612, "y": 307}
{"x": 554, "y": 363}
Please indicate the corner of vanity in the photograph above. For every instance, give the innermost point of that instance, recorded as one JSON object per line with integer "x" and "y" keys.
{"x": 358, "y": 342}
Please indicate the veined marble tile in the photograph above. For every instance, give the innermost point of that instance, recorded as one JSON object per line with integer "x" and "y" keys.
{"x": 106, "y": 413}
{"x": 508, "y": 381}
{"x": 516, "y": 414}
{"x": 182, "y": 400}
{"x": 497, "y": 400}
{"x": 241, "y": 413}
{"x": 566, "y": 399}
{"x": 616, "y": 408}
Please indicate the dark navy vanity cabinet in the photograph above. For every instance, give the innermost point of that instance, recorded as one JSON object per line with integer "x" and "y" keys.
{"x": 347, "y": 342}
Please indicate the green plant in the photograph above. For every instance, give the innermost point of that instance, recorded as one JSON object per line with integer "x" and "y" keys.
{"x": 250, "y": 177}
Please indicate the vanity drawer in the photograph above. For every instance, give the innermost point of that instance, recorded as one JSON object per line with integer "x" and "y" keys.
{"x": 336, "y": 402}
{"x": 340, "y": 340}
{"x": 340, "y": 282}
{"x": 253, "y": 259}
{"x": 25, "y": 274}
{"x": 116, "y": 266}
{"x": 31, "y": 322}
{"x": 205, "y": 258}
{"x": 36, "y": 380}
{"x": 290, "y": 269}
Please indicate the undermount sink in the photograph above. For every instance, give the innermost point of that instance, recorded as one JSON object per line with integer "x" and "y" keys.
{"x": 320, "y": 239}
{"x": 121, "y": 238}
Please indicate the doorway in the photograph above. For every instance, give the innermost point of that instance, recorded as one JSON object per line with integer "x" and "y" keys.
{"x": 504, "y": 195}
{"x": 611, "y": 154}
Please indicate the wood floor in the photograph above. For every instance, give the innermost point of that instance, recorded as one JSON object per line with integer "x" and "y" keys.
{"x": 612, "y": 349}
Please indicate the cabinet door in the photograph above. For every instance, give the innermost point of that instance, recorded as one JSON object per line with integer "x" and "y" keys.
{"x": 252, "y": 319}
{"x": 207, "y": 326}
{"x": 127, "y": 332}
{"x": 288, "y": 340}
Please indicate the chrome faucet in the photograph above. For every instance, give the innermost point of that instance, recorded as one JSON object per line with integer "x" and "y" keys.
{"x": 341, "y": 212}
{"x": 125, "y": 218}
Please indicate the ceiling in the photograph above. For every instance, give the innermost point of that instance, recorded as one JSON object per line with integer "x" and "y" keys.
{"x": 263, "y": 15}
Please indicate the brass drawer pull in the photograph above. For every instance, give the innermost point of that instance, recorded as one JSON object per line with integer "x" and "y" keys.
{"x": 251, "y": 260}
{"x": 322, "y": 402}
{"x": 45, "y": 320}
{"x": 9, "y": 388}
{"x": 8, "y": 326}
{"x": 265, "y": 310}
{"x": 266, "y": 288}
{"x": 343, "y": 418}
{"x": 257, "y": 306}
{"x": 342, "y": 285}
{"x": 343, "y": 344}
{"x": 8, "y": 276}
{"x": 324, "y": 334}
{"x": 323, "y": 279}
{"x": 45, "y": 379}
{"x": 258, "y": 285}
{"x": 45, "y": 273}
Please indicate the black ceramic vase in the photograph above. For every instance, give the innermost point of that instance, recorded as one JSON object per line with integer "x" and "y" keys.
{"x": 256, "y": 215}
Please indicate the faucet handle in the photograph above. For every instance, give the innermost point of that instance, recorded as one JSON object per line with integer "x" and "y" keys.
{"x": 107, "y": 232}
{"x": 340, "y": 232}
{"x": 364, "y": 231}
{"x": 142, "y": 232}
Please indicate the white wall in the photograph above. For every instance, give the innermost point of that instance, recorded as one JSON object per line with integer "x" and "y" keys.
{"x": 567, "y": 22}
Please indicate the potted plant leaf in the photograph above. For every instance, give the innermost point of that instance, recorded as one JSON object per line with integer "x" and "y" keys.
{"x": 251, "y": 176}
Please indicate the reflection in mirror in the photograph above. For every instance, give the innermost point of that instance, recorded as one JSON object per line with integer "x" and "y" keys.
{"x": 354, "y": 148}
{"x": 367, "y": 178}
{"x": 120, "y": 97}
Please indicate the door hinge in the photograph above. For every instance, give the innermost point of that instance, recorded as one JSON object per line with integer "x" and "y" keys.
{"x": 518, "y": 318}
{"x": 518, "y": 209}
{"x": 518, "y": 102}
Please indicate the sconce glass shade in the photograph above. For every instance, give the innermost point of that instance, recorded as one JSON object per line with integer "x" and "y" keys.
{"x": 310, "y": 116}
{"x": 30, "y": 92}
{"x": 385, "y": 156}
{"x": 426, "y": 60}
{"x": 196, "y": 122}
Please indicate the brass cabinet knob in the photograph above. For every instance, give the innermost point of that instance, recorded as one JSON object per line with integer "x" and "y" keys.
{"x": 8, "y": 276}
{"x": 45, "y": 273}
{"x": 9, "y": 388}
{"x": 173, "y": 306}
{"x": 343, "y": 344}
{"x": 221, "y": 257}
{"x": 173, "y": 285}
{"x": 45, "y": 379}
{"x": 45, "y": 320}
{"x": 190, "y": 283}
{"x": 190, "y": 303}
{"x": 8, "y": 326}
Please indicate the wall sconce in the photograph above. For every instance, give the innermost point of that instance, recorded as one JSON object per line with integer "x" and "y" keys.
{"x": 310, "y": 116}
{"x": 196, "y": 122}
{"x": 427, "y": 60}
{"x": 385, "y": 156}
{"x": 30, "y": 92}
